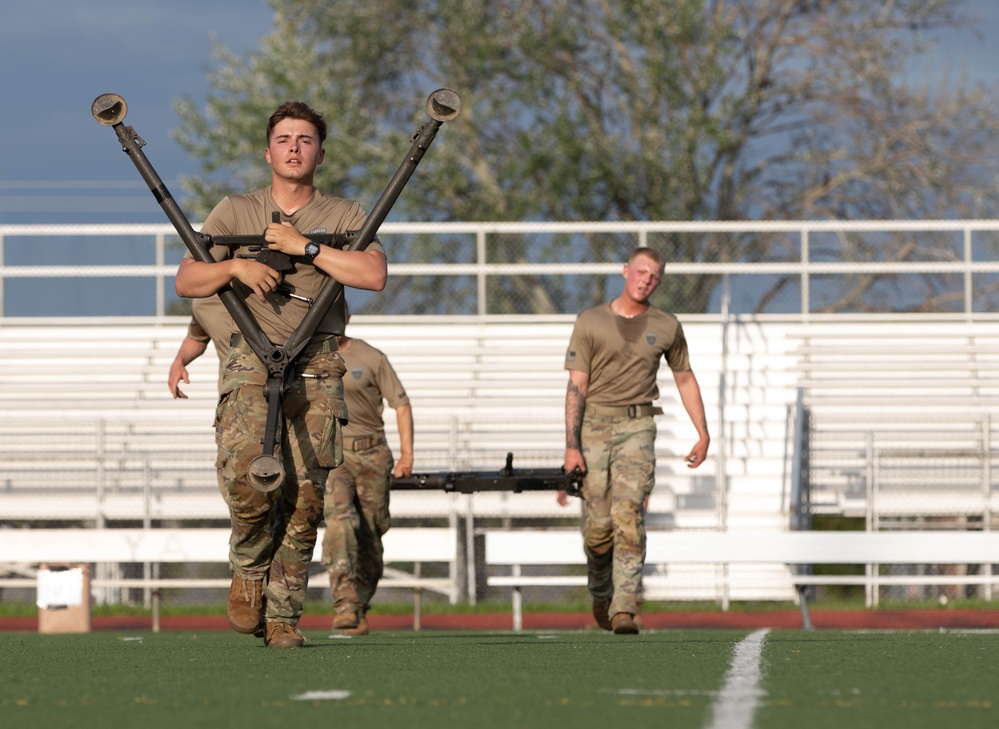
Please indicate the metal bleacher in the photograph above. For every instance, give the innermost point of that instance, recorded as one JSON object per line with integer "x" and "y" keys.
{"x": 902, "y": 421}
{"x": 91, "y": 432}
{"x": 899, "y": 415}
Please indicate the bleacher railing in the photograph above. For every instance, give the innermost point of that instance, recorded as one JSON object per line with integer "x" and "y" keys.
{"x": 482, "y": 269}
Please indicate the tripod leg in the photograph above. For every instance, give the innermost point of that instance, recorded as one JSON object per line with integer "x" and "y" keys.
{"x": 265, "y": 472}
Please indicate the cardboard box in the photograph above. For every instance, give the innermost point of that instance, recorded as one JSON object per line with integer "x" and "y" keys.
{"x": 64, "y": 598}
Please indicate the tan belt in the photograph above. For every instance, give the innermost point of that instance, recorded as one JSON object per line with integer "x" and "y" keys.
{"x": 624, "y": 411}
{"x": 364, "y": 442}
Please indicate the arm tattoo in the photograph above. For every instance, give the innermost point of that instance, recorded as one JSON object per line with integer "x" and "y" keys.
{"x": 575, "y": 403}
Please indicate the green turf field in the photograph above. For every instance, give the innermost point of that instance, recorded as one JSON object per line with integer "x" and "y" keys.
{"x": 438, "y": 679}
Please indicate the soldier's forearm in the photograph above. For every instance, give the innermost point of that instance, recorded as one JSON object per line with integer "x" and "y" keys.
{"x": 404, "y": 423}
{"x": 575, "y": 404}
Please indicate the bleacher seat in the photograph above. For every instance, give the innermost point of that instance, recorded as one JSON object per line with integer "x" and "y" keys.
{"x": 94, "y": 433}
{"x": 90, "y": 430}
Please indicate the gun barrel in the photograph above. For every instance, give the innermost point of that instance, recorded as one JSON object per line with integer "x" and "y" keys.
{"x": 421, "y": 482}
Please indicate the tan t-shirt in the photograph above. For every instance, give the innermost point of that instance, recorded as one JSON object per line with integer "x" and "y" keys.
{"x": 369, "y": 380}
{"x": 622, "y": 355}
{"x": 250, "y": 214}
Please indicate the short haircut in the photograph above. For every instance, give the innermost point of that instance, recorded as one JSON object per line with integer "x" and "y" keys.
{"x": 650, "y": 253}
{"x": 297, "y": 110}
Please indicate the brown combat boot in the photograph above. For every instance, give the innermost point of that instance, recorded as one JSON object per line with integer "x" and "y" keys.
{"x": 245, "y": 606}
{"x": 346, "y": 620}
{"x": 624, "y": 624}
{"x": 600, "y": 610}
{"x": 360, "y": 629}
{"x": 282, "y": 635}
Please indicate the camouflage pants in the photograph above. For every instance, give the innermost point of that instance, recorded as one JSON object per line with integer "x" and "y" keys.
{"x": 357, "y": 515}
{"x": 274, "y": 533}
{"x": 620, "y": 462}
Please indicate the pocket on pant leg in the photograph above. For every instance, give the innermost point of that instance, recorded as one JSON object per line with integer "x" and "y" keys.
{"x": 329, "y": 451}
{"x": 235, "y": 433}
{"x": 324, "y": 408}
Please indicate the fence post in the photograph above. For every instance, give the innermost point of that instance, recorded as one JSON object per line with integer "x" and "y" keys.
{"x": 871, "y": 588}
{"x": 987, "y": 490}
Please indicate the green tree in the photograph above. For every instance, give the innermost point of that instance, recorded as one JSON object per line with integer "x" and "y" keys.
{"x": 620, "y": 110}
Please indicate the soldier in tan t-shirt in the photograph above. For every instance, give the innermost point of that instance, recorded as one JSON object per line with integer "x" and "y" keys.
{"x": 274, "y": 533}
{"x": 357, "y": 493}
{"x": 210, "y": 322}
{"x": 613, "y": 362}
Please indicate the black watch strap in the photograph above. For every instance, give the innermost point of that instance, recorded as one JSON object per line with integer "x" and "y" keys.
{"x": 311, "y": 251}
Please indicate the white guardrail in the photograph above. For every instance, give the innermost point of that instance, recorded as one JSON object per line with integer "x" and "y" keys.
{"x": 961, "y": 249}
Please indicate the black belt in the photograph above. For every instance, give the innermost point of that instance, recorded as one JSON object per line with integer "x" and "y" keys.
{"x": 629, "y": 411}
{"x": 364, "y": 442}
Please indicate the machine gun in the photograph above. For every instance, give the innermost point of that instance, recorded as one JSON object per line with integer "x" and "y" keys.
{"x": 280, "y": 261}
{"x": 266, "y": 472}
{"x": 506, "y": 479}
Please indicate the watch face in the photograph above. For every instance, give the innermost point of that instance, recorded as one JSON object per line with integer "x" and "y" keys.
{"x": 311, "y": 249}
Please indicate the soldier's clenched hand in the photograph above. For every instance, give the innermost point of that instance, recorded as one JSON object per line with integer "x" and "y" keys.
{"x": 259, "y": 277}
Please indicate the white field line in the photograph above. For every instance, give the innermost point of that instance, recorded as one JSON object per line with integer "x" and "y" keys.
{"x": 739, "y": 695}
{"x": 331, "y": 695}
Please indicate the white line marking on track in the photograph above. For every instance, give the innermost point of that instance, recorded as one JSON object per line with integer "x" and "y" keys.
{"x": 333, "y": 695}
{"x": 741, "y": 692}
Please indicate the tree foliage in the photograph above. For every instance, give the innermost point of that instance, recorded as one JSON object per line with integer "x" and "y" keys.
{"x": 618, "y": 110}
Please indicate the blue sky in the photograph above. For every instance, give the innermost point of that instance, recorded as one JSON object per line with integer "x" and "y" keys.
{"x": 58, "y": 56}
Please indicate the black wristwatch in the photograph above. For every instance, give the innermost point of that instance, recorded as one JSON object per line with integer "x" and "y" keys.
{"x": 311, "y": 251}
